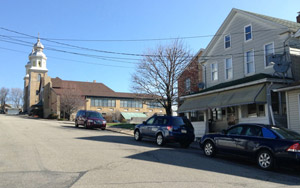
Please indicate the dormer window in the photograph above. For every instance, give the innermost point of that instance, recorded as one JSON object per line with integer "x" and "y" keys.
{"x": 227, "y": 41}
{"x": 248, "y": 33}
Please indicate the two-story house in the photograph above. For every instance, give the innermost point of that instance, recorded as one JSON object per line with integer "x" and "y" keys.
{"x": 239, "y": 74}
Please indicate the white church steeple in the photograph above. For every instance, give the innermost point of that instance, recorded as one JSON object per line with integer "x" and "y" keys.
{"x": 37, "y": 58}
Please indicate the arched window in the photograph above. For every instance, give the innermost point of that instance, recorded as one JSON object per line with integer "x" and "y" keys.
{"x": 40, "y": 63}
{"x": 39, "y": 77}
{"x": 34, "y": 63}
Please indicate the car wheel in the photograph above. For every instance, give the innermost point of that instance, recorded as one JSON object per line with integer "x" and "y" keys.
{"x": 265, "y": 160}
{"x": 185, "y": 144}
{"x": 137, "y": 135}
{"x": 103, "y": 128}
{"x": 209, "y": 149}
{"x": 160, "y": 141}
{"x": 76, "y": 124}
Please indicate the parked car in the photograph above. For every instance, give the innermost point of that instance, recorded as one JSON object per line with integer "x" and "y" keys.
{"x": 90, "y": 119}
{"x": 266, "y": 144}
{"x": 166, "y": 129}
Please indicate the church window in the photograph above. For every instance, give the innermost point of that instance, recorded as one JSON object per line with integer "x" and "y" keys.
{"x": 34, "y": 63}
{"x": 40, "y": 63}
{"x": 39, "y": 77}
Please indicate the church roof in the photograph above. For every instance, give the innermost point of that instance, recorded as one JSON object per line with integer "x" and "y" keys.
{"x": 92, "y": 89}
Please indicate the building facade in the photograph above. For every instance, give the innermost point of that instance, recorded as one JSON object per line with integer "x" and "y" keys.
{"x": 242, "y": 67}
{"x": 48, "y": 97}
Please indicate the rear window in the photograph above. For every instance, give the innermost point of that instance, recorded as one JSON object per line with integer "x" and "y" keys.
{"x": 93, "y": 115}
{"x": 286, "y": 133}
{"x": 179, "y": 121}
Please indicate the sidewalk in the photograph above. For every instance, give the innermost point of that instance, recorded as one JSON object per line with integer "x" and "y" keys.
{"x": 194, "y": 145}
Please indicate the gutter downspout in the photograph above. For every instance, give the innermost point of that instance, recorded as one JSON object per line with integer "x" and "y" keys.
{"x": 269, "y": 103}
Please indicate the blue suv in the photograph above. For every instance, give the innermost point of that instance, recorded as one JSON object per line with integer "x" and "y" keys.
{"x": 166, "y": 129}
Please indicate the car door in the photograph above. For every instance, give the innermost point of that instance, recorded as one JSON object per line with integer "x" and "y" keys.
{"x": 247, "y": 143}
{"x": 157, "y": 125}
{"x": 145, "y": 128}
{"x": 227, "y": 142}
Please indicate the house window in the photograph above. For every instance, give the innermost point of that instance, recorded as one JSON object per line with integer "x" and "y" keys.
{"x": 249, "y": 59}
{"x": 131, "y": 103}
{"x": 248, "y": 33}
{"x": 214, "y": 71}
{"x": 197, "y": 116}
{"x": 103, "y": 102}
{"x": 187, "y": 84}
{"x": 253, "y": 110}
{"x": 228, "y": 68}
{"x": 269, "y": 51}
{"x": 227, "y": 40}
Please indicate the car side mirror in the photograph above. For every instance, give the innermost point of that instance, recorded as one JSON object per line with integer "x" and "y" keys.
{"x": 223, "y": 132}
{"x": 144, "y": 122}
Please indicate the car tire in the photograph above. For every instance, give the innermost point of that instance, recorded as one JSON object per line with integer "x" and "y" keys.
{"x": 103, "y": 128}
{"x": 137, "y": 135}
{"x": 265, "y": 160}
{"x": 160, "y": 140}
{"x": 76, "y": 124}
{"x": 184, "y": 144}
{"x": 209, "y": 149}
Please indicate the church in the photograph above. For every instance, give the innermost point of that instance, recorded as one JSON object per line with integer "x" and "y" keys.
{"x": 53, "y": 97}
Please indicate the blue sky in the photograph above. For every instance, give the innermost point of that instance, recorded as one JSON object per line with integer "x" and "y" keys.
{"x": 112, "y": 20}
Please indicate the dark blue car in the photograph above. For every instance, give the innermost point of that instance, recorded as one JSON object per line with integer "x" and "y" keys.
{"x": 166, "y": 129}
{"x": 266, "y": 144}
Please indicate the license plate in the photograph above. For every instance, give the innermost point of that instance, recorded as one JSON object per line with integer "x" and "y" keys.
{"x": 183, "y": 131}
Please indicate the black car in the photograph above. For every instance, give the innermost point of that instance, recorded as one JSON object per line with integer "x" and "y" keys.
{"x": 90, "y": 119}
{"x": 266, "y": 144}
{"x": 166, "y": 129}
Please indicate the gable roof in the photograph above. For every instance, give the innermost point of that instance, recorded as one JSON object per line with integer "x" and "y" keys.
{"x": 93, "y": 89}
{"x": 289, "y": 25}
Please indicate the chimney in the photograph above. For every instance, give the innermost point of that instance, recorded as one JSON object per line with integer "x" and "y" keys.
{"x": 94, "y": 81}
{"x": 298, "y": 17}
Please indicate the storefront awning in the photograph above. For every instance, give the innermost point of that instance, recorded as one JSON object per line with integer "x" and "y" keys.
{"x": 240, "y": 96}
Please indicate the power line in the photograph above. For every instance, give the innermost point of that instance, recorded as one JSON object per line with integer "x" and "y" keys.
{"x": 143, "y": 40}
{"x": 85, "y": 62}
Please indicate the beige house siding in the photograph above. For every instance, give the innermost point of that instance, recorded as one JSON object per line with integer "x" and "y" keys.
{"x": 293, "y": 110}
{"x": 264, "y": 32}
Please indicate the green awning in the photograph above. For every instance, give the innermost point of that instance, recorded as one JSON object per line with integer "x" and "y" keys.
{"x": 240, "y": 96}
{"x": 129, "y": 115}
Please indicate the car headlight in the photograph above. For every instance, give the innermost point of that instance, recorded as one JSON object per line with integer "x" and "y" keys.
{"x": 104, "y": 122}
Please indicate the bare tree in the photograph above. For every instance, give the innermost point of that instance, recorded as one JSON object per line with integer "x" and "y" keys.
{"x": 157, "y": 73}
{"x": 16, "y": 97}
{"x": 4, "y": 92}
{"x": 70, "y": 100}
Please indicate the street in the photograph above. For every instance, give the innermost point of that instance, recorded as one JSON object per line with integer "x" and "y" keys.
{"x": 50, "y": 153}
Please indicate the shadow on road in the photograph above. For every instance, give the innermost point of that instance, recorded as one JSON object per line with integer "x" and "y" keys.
{"x": 174, "y": 155}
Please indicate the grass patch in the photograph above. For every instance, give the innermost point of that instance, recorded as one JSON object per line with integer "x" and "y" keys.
{"x": 122, "y": 125}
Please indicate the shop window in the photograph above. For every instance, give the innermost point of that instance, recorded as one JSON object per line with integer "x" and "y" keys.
{"x": 217, "y": 114}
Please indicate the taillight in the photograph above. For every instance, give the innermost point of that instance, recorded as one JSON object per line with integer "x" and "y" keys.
{"x": 294, "y": 148}
{"x": 170, "y": 128}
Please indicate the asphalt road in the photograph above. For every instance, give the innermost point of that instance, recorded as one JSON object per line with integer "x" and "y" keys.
{"x": 45, "y": 153}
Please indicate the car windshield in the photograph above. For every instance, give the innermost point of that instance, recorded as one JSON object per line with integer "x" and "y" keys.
{"x": 94, "y": 115}
{"x": 285, "y": 133}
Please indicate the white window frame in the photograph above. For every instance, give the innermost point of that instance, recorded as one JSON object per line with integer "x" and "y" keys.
{"x": 187, "y": 89}
{"x": 211, "y": 71}
{"x": 225, "y": 69}
{"x": 265, "y": 59}
{"x": 245, "y": 33}
{"x": 245, "y": 63}
{"x": 229, "y": 41}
